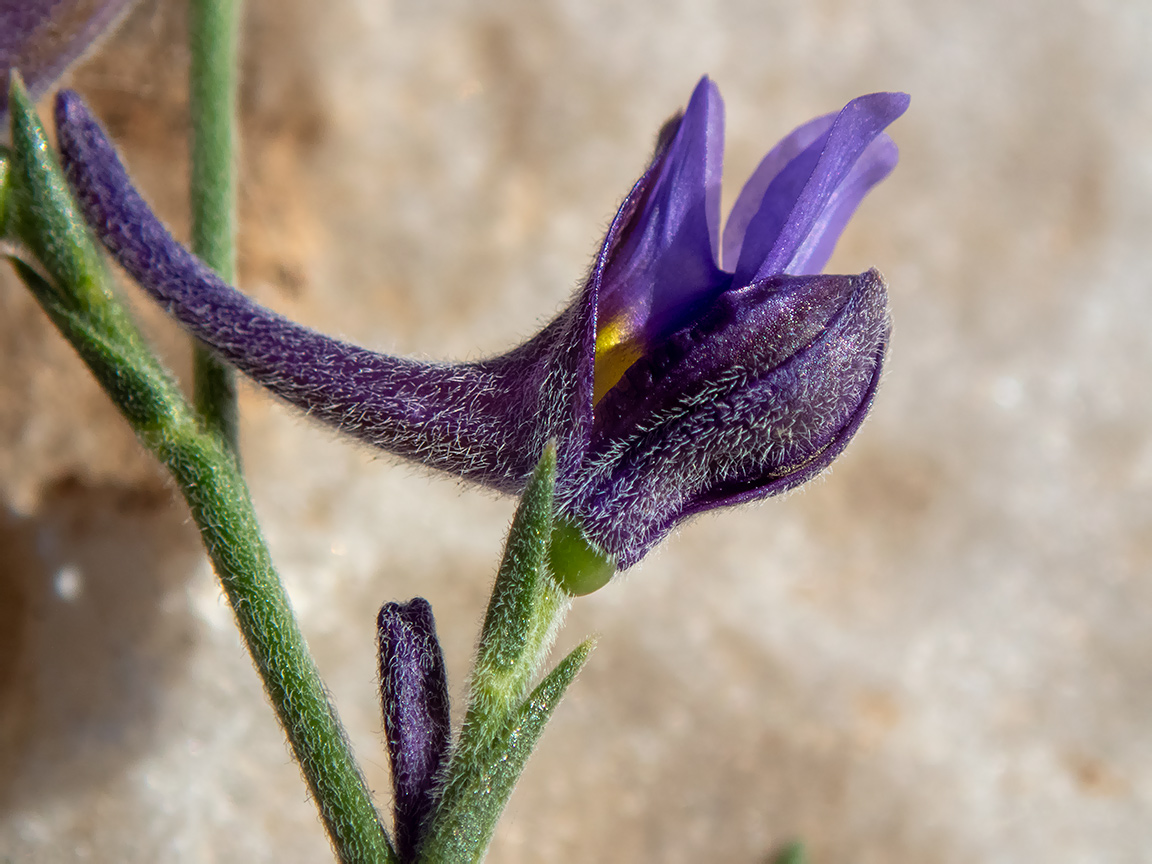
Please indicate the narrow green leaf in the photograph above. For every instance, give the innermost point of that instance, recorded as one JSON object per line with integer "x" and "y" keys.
{"x": 500, "y": 727}
{"x": 142, "y": 390}
{"x": 524, "y": 613}
{"x": 78, "y": 294}
{"x": 475, "y": 797}
{"x": 45, "y": 219}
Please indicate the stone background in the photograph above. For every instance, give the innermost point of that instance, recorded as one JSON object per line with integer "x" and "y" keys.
{"x": 937, "y": 653}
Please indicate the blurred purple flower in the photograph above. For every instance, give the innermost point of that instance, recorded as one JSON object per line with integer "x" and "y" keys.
{"x": 414, "y": 695}
{"x": 42, "y": 38}
{"x": 671, "y": 386}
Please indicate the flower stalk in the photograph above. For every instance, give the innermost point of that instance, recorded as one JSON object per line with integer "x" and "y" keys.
{"x": 214, "y": 27}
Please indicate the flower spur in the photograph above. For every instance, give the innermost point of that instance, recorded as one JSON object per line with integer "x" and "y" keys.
{"x": 671, "y": 386}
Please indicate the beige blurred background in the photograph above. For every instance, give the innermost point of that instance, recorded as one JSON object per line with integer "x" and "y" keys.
{"x": 939, "y": 652}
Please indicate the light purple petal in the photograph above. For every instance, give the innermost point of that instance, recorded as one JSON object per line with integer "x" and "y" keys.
{"x": 752, "y": 195}
{"x": 789, "y": 227}
{"x": 41, "y": 38}
{"x": 874, "y": 165}
{"x": 661, "y": 259}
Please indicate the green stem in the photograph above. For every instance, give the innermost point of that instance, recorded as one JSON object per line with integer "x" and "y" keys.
{"x": 213, "y": 35}
{"x": 77, "y": 293}
{"x": 218, "y": 498}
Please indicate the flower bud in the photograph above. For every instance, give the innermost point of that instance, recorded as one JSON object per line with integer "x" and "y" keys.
{"x": 414, "y": 695}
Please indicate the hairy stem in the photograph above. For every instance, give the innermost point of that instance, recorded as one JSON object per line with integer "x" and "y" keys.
{"x": 213, "y": 36}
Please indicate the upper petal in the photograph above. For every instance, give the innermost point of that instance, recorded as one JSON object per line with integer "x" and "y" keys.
{"x": 808, "y": 203}
{"x": 874, "y": 164}
{"x": 659, "y": 256}
{"x": 752, "y": 195}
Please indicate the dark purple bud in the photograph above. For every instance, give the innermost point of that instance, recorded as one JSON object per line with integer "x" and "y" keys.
{"x": 42, "y": 38}
{"x": 414, "y": 694}
{"x": 671, "y": 384}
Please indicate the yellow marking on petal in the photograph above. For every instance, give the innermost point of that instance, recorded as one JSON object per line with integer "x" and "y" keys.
{"x": 617, "y": 348}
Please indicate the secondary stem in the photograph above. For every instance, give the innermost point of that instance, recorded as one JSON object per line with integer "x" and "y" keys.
{"x": 213, "y": 35}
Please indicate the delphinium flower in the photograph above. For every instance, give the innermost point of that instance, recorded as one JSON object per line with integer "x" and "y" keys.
{"x": 42, "y": 38}
{"x": 671, "y": 385}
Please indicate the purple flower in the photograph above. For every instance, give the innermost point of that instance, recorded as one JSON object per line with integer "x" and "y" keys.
{"x": 414, "y": 695}
{"x": 42, "y": 38}
{"x": 671, "y": 385}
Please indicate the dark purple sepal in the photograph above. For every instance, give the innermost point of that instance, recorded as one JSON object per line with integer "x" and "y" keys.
{"x": 414, "y": 695}
{"x": 755, "y": 397}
